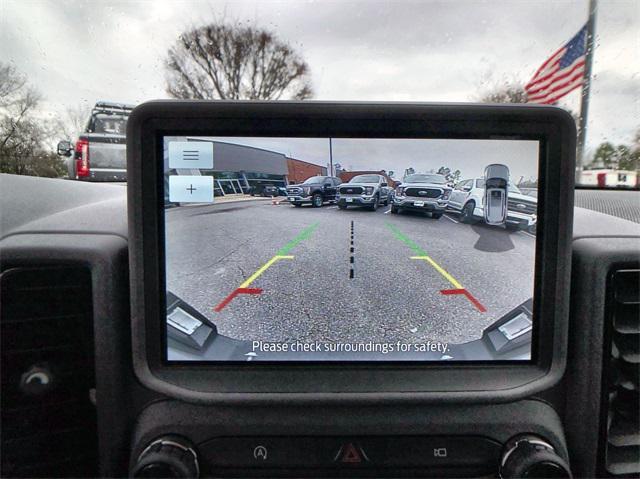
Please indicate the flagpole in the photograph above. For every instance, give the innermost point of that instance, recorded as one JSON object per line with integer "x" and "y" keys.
{"x": 586, "y": 87}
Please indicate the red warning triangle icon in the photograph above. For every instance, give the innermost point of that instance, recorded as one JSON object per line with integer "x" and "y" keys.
{"x": 351, "y": 454}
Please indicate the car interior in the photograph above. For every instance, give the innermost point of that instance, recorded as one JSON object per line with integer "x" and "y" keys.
{"x": 247, "y": 287}
{"x": 97, "y": 380}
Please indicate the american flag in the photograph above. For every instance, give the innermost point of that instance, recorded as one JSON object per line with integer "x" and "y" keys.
{"x": 561, "y": 73}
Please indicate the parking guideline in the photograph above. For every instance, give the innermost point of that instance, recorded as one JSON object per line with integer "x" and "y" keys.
{"x": 440, "y": 270}
{"x": 303, "y": 235}
{"x": 262, "y": 269}
{"x": 423, "y": 256}
{"x": 280, "y": 255}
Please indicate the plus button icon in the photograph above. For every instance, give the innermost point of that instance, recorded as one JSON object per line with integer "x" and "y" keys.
{"x": 191, "y": 189}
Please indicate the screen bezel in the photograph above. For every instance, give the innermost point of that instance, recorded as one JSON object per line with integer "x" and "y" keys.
{"x": 215, "y": 381}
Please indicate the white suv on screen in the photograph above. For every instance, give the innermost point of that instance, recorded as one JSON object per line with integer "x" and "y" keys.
{"x": 467, "y": 198}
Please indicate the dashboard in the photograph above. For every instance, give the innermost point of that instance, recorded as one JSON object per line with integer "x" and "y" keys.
{"x": 70, "y": 241}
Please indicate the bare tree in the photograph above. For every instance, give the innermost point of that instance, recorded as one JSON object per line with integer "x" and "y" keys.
{"x": 508, "y": 91}
{"x": 73, "y": 121}
{"x": 22, "y": 133}
{"x": 234, "y": 61}
{"x": 11, "y": 83}
{"x": 17, "y": 101}
{"x": 512, "y": 91}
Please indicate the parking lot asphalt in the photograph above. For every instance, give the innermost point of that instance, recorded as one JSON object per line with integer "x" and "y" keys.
{"x": 280, "y": 273}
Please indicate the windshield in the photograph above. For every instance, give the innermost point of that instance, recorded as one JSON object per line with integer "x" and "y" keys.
{"x": 365, "y": 179}
{"x": 121, "y": 58}
{"x": 314, "y": 180}
{"x": 66, "y": 66}
{"x": 437, "y": 179}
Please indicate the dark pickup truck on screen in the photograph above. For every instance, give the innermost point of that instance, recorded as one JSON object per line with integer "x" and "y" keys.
{"x": 315, "y": 191}
{"x": 99, "y": 153}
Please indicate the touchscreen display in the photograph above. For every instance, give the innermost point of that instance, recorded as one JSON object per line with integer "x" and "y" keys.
{"x": 349, "y": 249}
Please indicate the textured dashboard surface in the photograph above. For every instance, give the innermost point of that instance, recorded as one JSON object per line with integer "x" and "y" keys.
{"x": 45, "y": 205}
{"x": 623, "y": 204}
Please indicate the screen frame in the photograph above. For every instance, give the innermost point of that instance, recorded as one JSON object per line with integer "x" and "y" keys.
{"x": 149, "y": 123}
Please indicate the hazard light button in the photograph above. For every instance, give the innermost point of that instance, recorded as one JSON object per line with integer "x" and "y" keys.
{"x": 351, "y": 453}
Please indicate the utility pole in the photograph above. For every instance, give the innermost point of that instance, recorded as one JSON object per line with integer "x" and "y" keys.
{"x": 331, "y": 158}
{"x": 586, "y": 87}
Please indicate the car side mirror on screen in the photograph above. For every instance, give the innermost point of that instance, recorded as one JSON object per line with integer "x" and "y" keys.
{"x": 64, "y": 148}
{"x": 383, "y": 184}
{"x": 496, "y": 178}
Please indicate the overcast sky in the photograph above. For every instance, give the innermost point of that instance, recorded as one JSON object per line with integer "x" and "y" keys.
{"x": 82, "y": 51}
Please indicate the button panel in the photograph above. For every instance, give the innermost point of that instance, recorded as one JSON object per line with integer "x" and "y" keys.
{"x": 352, "y": 453}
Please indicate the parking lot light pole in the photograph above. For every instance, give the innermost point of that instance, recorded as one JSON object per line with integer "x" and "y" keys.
{"x": 330, "y": 158}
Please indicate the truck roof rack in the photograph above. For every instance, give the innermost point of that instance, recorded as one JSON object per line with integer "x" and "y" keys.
{"x": 112, "y": 107}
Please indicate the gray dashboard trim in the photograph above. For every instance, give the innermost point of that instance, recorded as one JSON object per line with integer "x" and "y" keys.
{"x": 106, "y": 256}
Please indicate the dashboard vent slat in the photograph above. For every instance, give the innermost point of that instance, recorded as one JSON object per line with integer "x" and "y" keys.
{"x": 46, "y": 331}
{"x": 622, "y": 460}
{"x": 621, "y": 375}
{"x": 626, "y": 347}
{"x": 623, "y": 432}
{"x": 626, "y": 319}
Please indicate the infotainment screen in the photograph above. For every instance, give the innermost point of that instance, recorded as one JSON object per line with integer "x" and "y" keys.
{"x": 349, "y": 249}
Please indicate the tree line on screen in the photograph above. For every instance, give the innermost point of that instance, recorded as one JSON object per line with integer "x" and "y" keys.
{"x": 229, "y": 60}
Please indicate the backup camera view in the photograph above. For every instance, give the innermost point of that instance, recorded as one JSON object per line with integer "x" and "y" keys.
{"x": 318, "y": 249}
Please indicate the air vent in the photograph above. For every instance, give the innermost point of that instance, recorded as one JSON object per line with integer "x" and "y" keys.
{"x": 622, "y": 374}
{"x": 48, "y": 419}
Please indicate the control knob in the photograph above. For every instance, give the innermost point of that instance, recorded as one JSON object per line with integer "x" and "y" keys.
{"x": 168, "y": 456}
{"x": 529, "y": 456}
